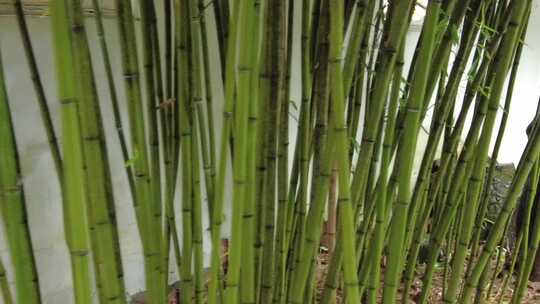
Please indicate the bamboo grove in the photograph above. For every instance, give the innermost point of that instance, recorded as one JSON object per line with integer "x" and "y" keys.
{"x": 364, "y": 105}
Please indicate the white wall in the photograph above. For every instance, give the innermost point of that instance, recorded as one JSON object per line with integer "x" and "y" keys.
{"x": 42, "y": 191}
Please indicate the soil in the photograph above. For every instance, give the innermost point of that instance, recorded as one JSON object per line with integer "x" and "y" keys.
{"x": 532, "y": 295}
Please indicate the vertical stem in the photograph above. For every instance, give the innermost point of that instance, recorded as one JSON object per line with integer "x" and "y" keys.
{"x": 13, "y": 210}
{"x": 100, "y": 206}
{"x": 38, "y": 87}
{"x": 144, "y": 203}
{"x": 74, "y": 195}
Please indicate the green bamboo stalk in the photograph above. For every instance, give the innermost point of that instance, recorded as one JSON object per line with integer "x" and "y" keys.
{"x": 185, "y": 131}
{"x": 100, "y": 206}
{"x": 320, "y": 188}
{"x": 530, "y": 243}
{"x": 197, "y": 220}
{"x": 187, "y": 206}
{"x": 281, "y": 245}
{"x": 245, "y": 9}
{"x": 4, "y": 286}
{"x": 321, "y": 92}
{"x": 442, "y": 112}
{"x": 386, "y": 62}
{"x": 248, "y": 276}
{"x": 321, "y": 162}
{"x": 405, "y": 154}
{"x": 353, "y": 47}
{"x": 496, "y": 148}
{"x": 168, "y": 110}
{"x": 112, "y": 90}
{"x": 260, "y": 214}
{"x": 395, "y": 30}
{"x": 197, "y": 98}
{"x": 315, "y": 216}
{"x": 168, "y": 12}
{"x": 345, "y": 201}
{"x": 372, "y": 264}
{"x": 442, "y": 115}
{"x": 13, "y": 210}
{"x": 275, "y": 71}
{"x": 298, "y": 219}
{"x": 452, "y": 198}
{"x": 455, "y": 182}
{"x": 151, "y": 102}
{"x": 198, "y": 137}
{"x": 217, "y": 217}
{"x": 524, "y": 168}
{"x": 474, "y": 185}
{"x": 447, "y": 157}
{"x": 144, "y": 201}
{"x": 208, "y": 95}
{"x": 528, "y": 264}
{"x": 74, "y": 196}
{"x": 499, "y": 267}
{"x": 452, "y": 17}
{"x": 362, "y": 73}
{"x": 471, "y": 89}
{"x": 500, "y": 74}
{"x": 510, "y": 272}
{"x": 38, "y": 87}
{"x": 321, "y": 173}
{"x": 223, "y": 27}
{"x": 355, "y": 101}
{"x": 377, "y": 16}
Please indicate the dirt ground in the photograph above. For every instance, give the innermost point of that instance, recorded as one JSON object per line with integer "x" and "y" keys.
{"x": 532, "y": 295}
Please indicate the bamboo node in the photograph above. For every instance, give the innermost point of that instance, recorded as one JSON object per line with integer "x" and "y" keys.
{"x": 368, "y": 140}
{"x": 239, "y": 182}
{"x": 130, "y": 76}
{"x": 351, "y": 284}
{"x": 403, "y": 203}
{"x": 79, "y": 253}
{"x": 413, "y": 110}
{"x": 67, "y": 101}
{"x": 335, "y": 60}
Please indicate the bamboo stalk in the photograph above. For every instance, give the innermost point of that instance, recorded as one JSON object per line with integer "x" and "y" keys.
{"x": 245, "y": 9}
{"x": 298, "y": 218}
{"x": 100, "y": 203}
{"x": 154, "y": 161}
{"x": 462, "y": 171}
{"x": 217, "y": 216}
{"x": 523, "y": 169}
{"x": 248, "y": 271}
{"x": 186, "y": 133}
{"x": 405, "y": 154}
{"x": 38, "y": 87}
{"x": 374, "y": 262}
{"x": 198, "y": 137}
{"x": 345, "y": 213}
{"x": 13, "y": 210}
{"x": 395, "y": 31}
{"x": 280, "y": 281}
{"x": 112, "y": 90}
{"x": 74, "y": 196}
{"x": 143, "y": 203}
{"x": 529, "y": 236}
{"x": 4, "y": 286}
